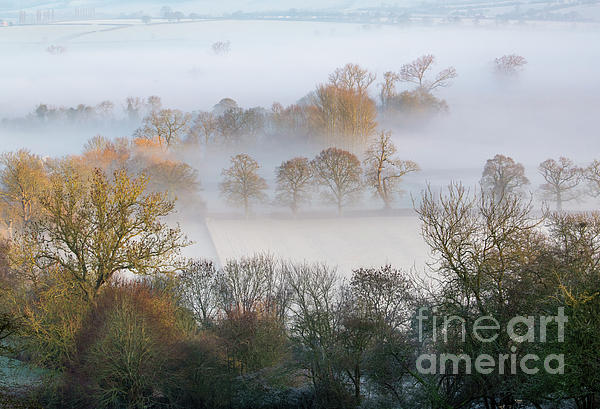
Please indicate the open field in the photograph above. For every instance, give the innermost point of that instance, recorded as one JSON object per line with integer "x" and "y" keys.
{"x": 343, "y": 242}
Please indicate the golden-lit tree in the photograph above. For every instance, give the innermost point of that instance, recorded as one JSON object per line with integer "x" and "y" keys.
{"x": 22, "y": 179}
{"x": 352, "y": 77}
{"x": 108, "y": 155}
{"x": 93, "y": 228}
{"x": 341, "y": 111}
{"x": 343, "y": 116}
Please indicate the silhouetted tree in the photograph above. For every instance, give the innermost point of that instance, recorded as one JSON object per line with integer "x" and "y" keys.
{"x": 562, "y": 179}
{"x": 503, "y": 176}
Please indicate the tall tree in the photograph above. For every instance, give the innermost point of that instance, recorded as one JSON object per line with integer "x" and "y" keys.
{"x": 388, "y": 89}
{"x": 93, "y": 229}
{"x": 294, "y": 178}
{"x": 342, "y": 111}
{"x": 383, "y": 170}
{"x": 241, "y": 183}
{"x": 562, "y": 179}
{"x": 503, "y": 176}
{"x": 339, "y": 173}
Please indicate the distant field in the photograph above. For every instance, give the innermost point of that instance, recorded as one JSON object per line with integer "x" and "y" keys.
{"x": 343, "y": 242}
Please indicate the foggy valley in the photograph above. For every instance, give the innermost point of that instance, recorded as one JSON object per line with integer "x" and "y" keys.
{"x": 249, "y": 204}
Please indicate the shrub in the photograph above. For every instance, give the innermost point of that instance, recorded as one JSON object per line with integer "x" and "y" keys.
{"x": 124, "y": 348}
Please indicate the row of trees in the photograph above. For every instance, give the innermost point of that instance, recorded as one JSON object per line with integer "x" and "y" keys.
{"x": 563, "y": 180}
{"x": 26, "y": 177}
{"x": 336, "y": 172}
{"x": 339, "y": 112}
{"x": 263, "y": 333}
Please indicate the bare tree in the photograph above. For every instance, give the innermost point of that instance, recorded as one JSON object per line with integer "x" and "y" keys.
{"x": 416, "y": 73}
{"x": 242, "y": 184}
{"x": 153, "y": 103}
{"x": 254, "y": 284}
{"x": 388, "y": 89}
{"x": 221, "y": 47}
{"x": 383, "y": 170}
{"x": 503, "y": 176}
{"x": 133, "y": 106}
{"x": 562, "y": 179}
{"x": 199, "y": 280}
{"x": 230, "y": 124}
{"x": 343, "y": 116}
{"x": 339, "y": 173}
{"x": 205, "y": 125}
{"x": 352, "y": 77}
{"x": 592, "y": 175}
{"x": 510, "y": 64}
{"x": 294, "y": 182}
{"x": 176, "y": 179}
{"x": 105, "y": 109}
{"x": 314, "y": 316}
{"x": 168, "y": 126}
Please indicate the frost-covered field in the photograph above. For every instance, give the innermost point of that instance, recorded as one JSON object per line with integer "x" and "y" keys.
{"x": 343, "y": 242}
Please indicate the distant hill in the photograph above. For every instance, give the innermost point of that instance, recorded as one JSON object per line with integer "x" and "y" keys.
{"x": 566, "y": 10}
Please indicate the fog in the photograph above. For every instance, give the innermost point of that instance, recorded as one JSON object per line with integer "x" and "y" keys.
{"x": 549, "y": 110}
{"x": 555, "y": 97}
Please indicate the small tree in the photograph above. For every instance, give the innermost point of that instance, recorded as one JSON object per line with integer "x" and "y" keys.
{"x": 383, "y": 171}
{"x": 339, "y": 173}
{"x": 22, "y": 178}
{"x": 592, "y": 176}
{"x": 242, "y": 184}
{"x": 503, "y": 176}
{"x": 294, "y": 182}
{"x": 562, "y": 178}
{"x": 168, "y": 126}
{"x": 510, "y": 64}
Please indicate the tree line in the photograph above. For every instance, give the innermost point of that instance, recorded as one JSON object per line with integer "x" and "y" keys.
{"x": 259, "y": 332}
{"x": 340, "y": 112}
